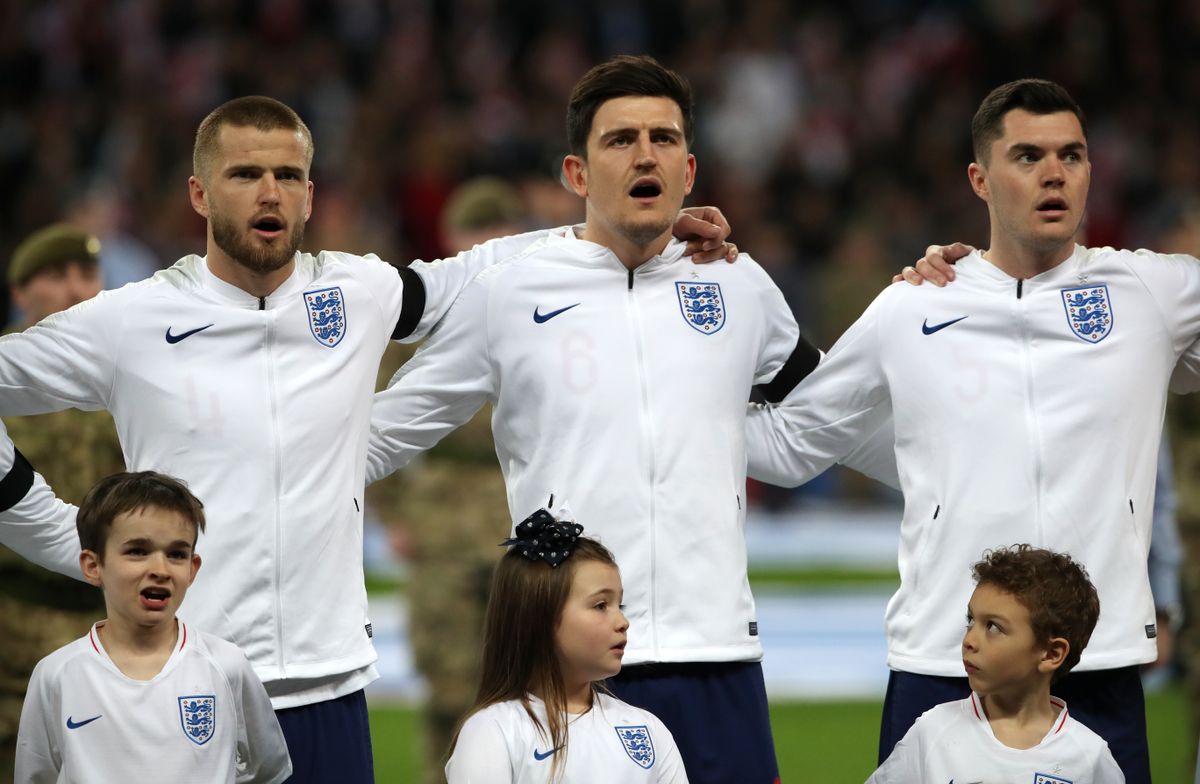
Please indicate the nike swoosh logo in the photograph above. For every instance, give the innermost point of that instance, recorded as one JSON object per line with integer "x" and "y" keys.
{"x": 74, "y": 725}
{"x": 541, "y": 756}
{"x": 928, "y": 330}
{"x": 543, "y": 318}
{"x": 183, "y": 335}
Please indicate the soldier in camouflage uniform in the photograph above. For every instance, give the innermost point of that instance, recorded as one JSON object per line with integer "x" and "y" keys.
{"x": 41, "y": 611}
{"x": 452, "y": 510}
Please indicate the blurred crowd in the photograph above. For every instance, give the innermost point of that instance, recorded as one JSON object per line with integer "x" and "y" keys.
{"x": 834, "y": 135}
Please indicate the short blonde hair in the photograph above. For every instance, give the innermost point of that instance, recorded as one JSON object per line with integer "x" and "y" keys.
{"x": 250, "y": 111}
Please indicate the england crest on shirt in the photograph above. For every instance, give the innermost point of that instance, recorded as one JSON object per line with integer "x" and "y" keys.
{"x": 1089, "y": 312}
{"x": 638, "y": 744}
{"x": 701, "y": 305}
{"x": 198, "y": 717}
{"x": 326, "y": 315}
{"x": 1045, "y": 778}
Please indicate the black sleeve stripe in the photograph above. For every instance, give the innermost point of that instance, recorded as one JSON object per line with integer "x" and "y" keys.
{"x": 16, "y": 483}
{"x": 803, "y": 360}
{"x": 412, "y": 303}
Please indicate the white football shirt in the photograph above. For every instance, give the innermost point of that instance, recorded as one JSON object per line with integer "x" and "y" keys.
{"x": 955, "y": 742}
{"x": 205, "y": 718}
{"x": 614, "y": 741}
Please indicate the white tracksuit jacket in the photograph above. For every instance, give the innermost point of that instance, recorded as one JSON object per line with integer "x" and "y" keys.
{"x": 624, "y": 395}
{"x": 1025, "y": 411}
{"x": 261, "y": 406}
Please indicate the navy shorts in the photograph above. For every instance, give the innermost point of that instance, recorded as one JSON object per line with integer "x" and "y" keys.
{"x": 1108, "y": 702}
{"x": 329, "y": 741}
{"x": 717, "y": 713}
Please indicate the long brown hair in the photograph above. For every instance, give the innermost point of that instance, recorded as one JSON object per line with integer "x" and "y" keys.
{"x": 520, "y": 654}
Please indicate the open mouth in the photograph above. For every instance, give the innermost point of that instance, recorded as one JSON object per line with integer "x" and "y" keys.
{"x": 268, "y": 226}
{"x": 1053, "y": 206}
{"x": 155, "y": 598}
{"x": 645, "y": 189}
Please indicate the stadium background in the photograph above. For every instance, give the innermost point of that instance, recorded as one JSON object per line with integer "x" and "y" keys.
{"x": 833, "y": 135}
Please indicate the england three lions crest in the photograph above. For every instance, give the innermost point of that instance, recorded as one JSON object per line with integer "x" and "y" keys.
{"x": 1089, "y": 312}
{"x": 198, "y": 717}
{"x": 326, "y": 315}
{"x": 638, "y": 744}
{"x": 701, "y": 305}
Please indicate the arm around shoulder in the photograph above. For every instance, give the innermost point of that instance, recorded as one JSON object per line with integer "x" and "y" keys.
{"x": 445, "y": 279}
{"x": 440, "y": 388}
{"x": 34, "y": 523}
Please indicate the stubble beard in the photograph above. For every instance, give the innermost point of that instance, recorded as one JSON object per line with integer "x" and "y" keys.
{"x": 258, "y": 259}
{"x": 642, "y": 234}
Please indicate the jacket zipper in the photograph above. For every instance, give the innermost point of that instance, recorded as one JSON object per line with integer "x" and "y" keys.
{"x": 278, "y": 473}
{"x": 1031, "y": 420}
{"x": 648, "y": 439}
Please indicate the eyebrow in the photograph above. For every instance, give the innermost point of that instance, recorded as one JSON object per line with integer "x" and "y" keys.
{"x": 1024, "y": 147}
{"x": 142, "y": 541}
{"x": 667, "y": 129}
{"x": 233, "y": 168}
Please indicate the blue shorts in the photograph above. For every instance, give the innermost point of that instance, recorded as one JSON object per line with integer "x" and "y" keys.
{"x": 717, "y": 713}
{"x": 329, "y": 741}
{"x": 1108, "y": 702}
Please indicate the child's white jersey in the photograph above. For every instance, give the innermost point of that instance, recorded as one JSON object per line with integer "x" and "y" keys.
{"x": 614, "y": 741}
{"x": 204, "y": 718}
{"x": 955, "y": 742}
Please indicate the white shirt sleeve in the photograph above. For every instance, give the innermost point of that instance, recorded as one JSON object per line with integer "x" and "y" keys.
{"x": 481, "y": 754}
{"x": 667, "y": 759}
{"x": 63, "y": 361}
{"x": 262, "y": 754}
{"x": 1107, "y": 770}
{"x": 445, "y": 279}
{"x": 829, "y": 415}
{"x": 39, "y": 526}
{"x": 39, "y": 747}
{"x": 1173, "y": 280}
{"x": 440, "y": 388}
{"x": 903, "y": 765}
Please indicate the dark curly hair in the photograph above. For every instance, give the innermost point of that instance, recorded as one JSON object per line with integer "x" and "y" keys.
{"x": 1061, "y": 600}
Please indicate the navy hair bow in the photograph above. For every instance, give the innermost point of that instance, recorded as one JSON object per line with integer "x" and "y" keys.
{"x": 540, "y": 537}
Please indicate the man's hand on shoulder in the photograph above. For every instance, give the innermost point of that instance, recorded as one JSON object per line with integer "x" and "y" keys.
{"x": 937, "y": 266}
{"x": 705, "y": 230}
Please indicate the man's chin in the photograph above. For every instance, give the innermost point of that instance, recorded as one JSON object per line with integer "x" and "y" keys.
{"x": 643, "y": 233}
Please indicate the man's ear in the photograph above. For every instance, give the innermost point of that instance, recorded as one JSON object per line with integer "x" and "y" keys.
{"x": 1054, "y": 654}
{"x": 89, "y": 564}
{"x": 198, "y": 195}
{"x": 574, "y": 174}
{"x": 978, "y": 177}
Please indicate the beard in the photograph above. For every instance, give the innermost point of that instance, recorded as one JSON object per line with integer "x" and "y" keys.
{"x": 260, "y": 259}
{"x": 643, "y": 233}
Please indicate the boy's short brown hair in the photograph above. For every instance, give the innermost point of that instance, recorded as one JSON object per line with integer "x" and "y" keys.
{"x": 128, "y": 492}
{"x": 1061, "y": 600}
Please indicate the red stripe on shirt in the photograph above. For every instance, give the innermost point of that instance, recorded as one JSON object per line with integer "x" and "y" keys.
{"x": 92, "y": 638}
{"x": 976, "y": 707}
{"x": 1064, "y": 717}
{"x": 183, "y": 626}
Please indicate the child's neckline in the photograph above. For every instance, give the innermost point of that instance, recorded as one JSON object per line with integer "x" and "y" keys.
{"x": 134, "y": 667}
{"x": 1057, "y": 721}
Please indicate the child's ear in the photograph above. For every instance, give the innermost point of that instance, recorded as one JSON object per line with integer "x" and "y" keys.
{"x": 195, "y": 567}
{"x": 89, "y": 564}
{"x": 1054, "y": 654}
